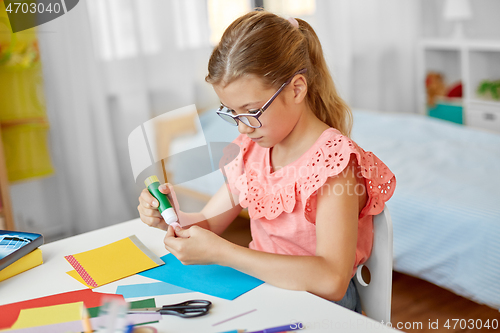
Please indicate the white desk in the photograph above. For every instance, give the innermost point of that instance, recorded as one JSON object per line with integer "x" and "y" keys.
{"x": 274, "y": 306}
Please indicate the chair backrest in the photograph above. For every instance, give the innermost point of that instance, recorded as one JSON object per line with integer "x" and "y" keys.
{"x": 377, "y": 294}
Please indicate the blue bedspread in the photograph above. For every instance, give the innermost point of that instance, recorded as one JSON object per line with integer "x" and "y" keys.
{"x": 446, "y": 207}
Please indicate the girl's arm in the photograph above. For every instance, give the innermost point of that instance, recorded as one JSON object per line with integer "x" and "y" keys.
{"x": 326, "y": 274}
{"x": 218, "y": 207}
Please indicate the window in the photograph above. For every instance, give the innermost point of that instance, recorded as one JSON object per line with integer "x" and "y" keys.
{"x": 287, "y": 8}
{"x": 221, "y": 13}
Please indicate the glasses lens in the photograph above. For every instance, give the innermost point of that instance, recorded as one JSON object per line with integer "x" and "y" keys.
{"x": 228, "y": 119}
{"x": 250, "y": 121}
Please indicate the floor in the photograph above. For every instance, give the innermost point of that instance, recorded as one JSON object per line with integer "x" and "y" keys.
{"x": 421, "y": 306}
{"x": 417, "y": 305}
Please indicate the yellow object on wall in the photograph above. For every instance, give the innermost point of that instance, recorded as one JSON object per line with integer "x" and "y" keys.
{"x": 23, "y": 118}
{"x": 21, "y": 93}
{"x": 26, "y": 151}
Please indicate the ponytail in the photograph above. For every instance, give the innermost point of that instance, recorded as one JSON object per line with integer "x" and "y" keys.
{"x": 323, "y": 97}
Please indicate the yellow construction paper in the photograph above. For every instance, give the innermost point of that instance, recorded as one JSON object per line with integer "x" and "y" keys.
{"x": 49, "y": 315}
{"x": 117, "y": 260}
{"x": 74, "y": 274}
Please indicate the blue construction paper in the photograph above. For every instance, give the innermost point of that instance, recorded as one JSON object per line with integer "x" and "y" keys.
{"x": 215, "y": 280}
{"x": 150, "y": 289}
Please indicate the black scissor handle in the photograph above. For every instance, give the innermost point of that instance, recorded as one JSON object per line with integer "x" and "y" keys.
{"x": 187, "y": 309}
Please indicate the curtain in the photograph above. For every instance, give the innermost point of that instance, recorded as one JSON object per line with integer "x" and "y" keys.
{"x": 109, "y": 66}
{"x": 370, "y": 48}
{"x": 86, "y": 191}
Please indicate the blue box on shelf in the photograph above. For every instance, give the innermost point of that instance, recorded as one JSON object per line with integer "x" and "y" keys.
{"x": 449, "y": 109}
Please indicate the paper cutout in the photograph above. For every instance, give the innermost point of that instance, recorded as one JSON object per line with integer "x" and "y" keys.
{"x": 150, "y": 289}
{"x": 10, "y": 312}
{"x": 215, "y": 280}
{"x": 49, "y": 315}
{"x": 113, "y": 262}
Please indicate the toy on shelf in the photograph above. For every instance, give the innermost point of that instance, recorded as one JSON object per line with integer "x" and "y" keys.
{"x": 444, "y": 102}
{"x": 455, "y": 90}
{"x": 436, "y": 88}
{"x": 492, "y": 88}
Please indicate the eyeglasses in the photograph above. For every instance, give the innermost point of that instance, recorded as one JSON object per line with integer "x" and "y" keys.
{"x": 252, "y": 119}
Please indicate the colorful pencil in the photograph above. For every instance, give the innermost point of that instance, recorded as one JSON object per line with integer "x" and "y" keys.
{"x": 87, "y": 326}
{"x": 285, "y": 328}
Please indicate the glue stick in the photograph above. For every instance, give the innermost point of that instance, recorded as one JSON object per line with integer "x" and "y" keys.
{"x": 165, "y": 208}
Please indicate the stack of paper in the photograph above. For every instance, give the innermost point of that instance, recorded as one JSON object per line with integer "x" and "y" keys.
{"x": 63, "y": 312}
{"x": 10, "y": 312}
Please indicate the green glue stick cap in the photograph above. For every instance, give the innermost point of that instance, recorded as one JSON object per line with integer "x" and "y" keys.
{"x": 165, "y": 208}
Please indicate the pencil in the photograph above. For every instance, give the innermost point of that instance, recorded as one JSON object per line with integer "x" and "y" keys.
{"x": 285, "y": 328}
{"x": 234, "y": 317}
{"x": 87, "y": 326}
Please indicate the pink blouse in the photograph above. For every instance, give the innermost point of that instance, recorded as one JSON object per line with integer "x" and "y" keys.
{"x": 282, "y": 204}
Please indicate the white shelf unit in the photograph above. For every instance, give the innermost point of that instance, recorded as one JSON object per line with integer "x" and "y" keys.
{"x": 468, "y": 61}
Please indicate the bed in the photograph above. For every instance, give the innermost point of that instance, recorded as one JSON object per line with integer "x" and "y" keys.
{"x": 446, "y": 207}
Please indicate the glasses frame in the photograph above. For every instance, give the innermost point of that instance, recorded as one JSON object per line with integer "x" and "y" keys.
{"x": 260, "y": 111}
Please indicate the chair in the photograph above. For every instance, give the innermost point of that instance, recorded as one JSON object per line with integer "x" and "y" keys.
{"x": 376, "y": 294}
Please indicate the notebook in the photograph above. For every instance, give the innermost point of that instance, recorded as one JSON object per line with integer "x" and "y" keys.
{"x": 32, "y": 259}
{"x": 16, "y": 244}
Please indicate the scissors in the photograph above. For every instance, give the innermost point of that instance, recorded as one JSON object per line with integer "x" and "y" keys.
{"x": 187, "y": 309}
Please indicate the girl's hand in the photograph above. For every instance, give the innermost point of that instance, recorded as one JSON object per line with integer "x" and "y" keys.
{"x": 195, "y": 246}
{"x": 148, "y": 206}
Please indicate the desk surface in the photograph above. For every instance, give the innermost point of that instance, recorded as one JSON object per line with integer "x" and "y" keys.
{"x": 274, "y": 306}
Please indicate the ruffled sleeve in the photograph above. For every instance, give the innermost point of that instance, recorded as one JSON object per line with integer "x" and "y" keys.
{"x": 331, "y": 159}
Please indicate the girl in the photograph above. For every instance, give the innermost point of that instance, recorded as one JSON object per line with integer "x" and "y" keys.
{"x": 310, "y": 190}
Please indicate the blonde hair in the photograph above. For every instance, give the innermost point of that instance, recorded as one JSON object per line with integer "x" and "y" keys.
{"x": 270, "y": 47}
